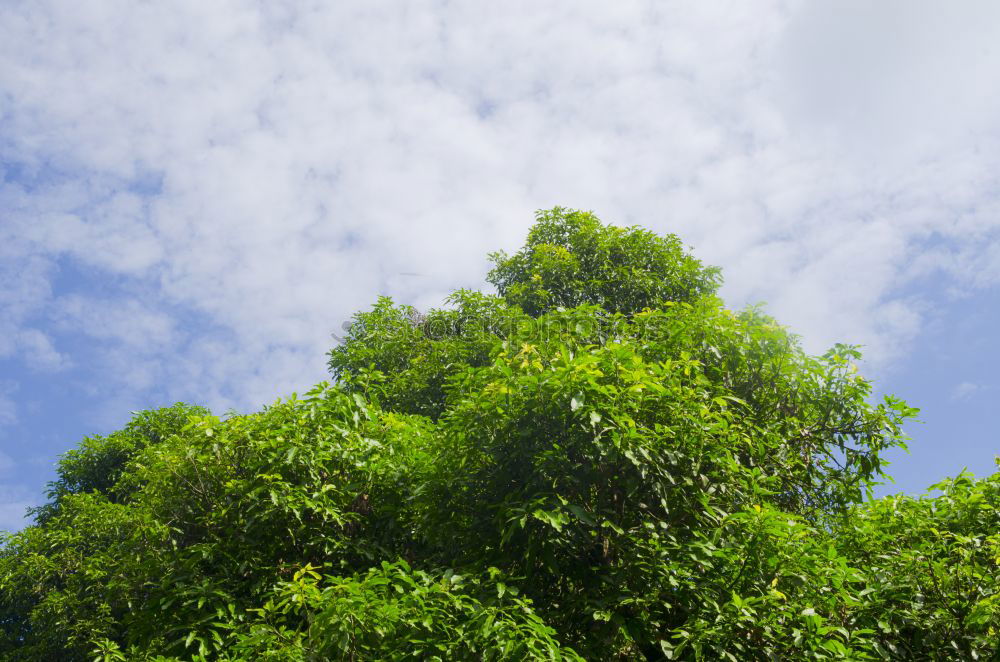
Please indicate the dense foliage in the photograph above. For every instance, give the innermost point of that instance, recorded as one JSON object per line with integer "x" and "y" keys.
{"x": 600, "y": 462}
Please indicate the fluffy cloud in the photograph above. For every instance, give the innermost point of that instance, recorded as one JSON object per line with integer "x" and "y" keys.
{"x": 8, "y": 412}
{"x": 14, "y": 501}
{"x": 13, "y": 505}
{"x": 965, "y": 391}
{"x": 246, "y": 175}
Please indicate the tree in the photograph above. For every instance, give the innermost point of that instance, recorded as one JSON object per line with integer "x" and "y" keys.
{"x": 601, "y": 461}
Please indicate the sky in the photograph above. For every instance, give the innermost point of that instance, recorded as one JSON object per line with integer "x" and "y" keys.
{"x": 194, "y": 196}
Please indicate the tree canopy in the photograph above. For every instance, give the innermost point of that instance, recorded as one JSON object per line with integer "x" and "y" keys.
{"x": 600, "y": 461}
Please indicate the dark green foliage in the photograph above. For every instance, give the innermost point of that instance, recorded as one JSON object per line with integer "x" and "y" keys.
{"x": 402, "y": 358}
{"x": 603, "y": 462}
{"x": 99, "y": 461}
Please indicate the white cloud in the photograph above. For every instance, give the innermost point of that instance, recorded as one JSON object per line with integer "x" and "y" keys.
{"x": 131, "y": 321}
{"x": 14, "y": 500}
{"x": 902, "y": 76}
{"x": 39, "y": 353}
{"x": 274, "y": 167}
{"x": 13, "y": 504}
{"x": 6, "y": 463}
{"x": 965, "y": 391}
{"x": 12, "y": 515}
{"x": 8, "y": 409}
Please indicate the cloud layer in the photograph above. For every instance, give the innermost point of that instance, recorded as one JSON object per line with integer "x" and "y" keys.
{"x": 196, "y": 194}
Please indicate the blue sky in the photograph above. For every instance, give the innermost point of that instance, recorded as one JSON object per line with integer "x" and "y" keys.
{"x": 193, "y": 196}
